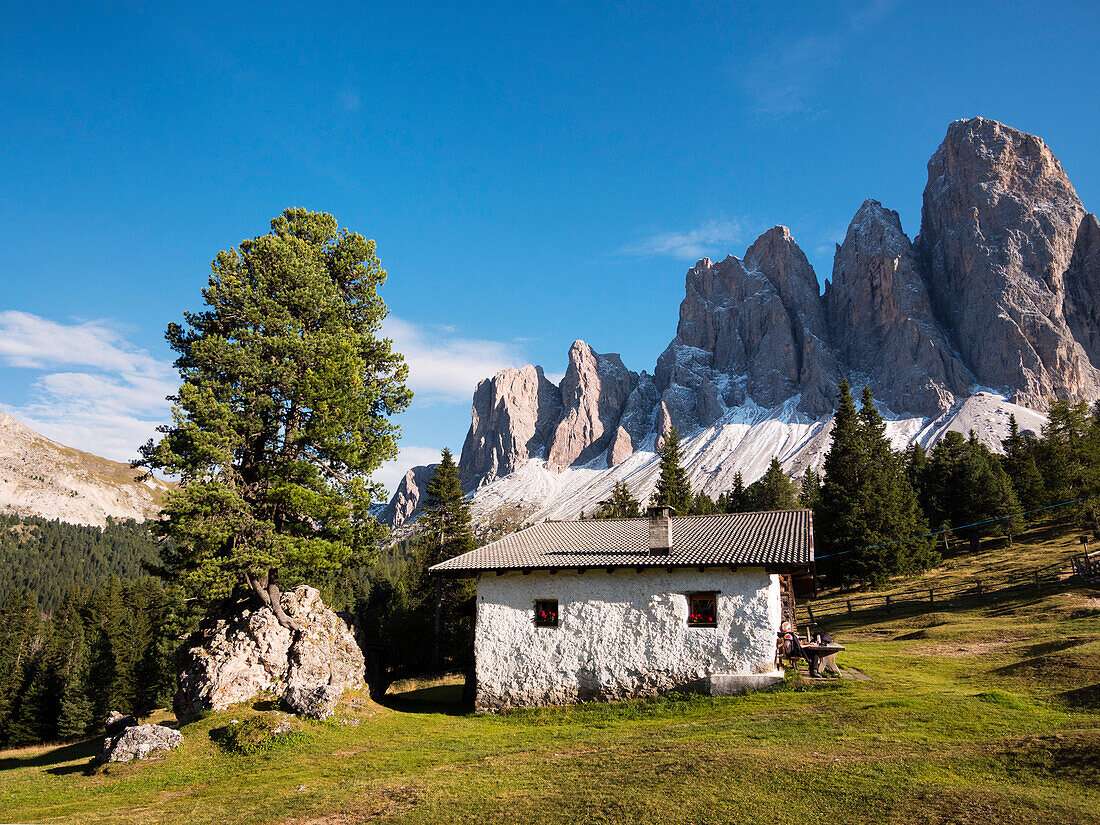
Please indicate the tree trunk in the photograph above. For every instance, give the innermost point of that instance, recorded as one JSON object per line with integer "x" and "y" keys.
{"x": 267, "y": 588}
{"x": 435, "y": 627}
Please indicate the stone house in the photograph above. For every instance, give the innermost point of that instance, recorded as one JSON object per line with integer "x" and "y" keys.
{"x": 572, "y": 611}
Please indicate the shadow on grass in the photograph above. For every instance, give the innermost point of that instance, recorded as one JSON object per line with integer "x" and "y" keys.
{"x": 442, "y": 699}
{"x": 998, "y": 603}
{"x": 56, "y": 756}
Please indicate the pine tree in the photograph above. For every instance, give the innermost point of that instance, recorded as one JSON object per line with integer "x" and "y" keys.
{"x": 773, "y": 491}
{"x": 868, "y": 518}
{"x": 19, "y": 636}
{"x": 622, "y": 504}
{"x": 283, "y": 414}
{"x": 809, "y": 494}
{"x": 703, "y": 505}
{"x": 1020, "y": 465}
{"x": 965, "y": 484}
{"x": 734, "y": 500}
{"x": 673, "y": 489}
{"x": 447, "y": 530}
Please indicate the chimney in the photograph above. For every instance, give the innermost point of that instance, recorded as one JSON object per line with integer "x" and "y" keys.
{"x": 660, "y": 530}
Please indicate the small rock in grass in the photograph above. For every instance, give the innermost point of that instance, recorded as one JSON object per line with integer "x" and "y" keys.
{"x": 140, "y": 742}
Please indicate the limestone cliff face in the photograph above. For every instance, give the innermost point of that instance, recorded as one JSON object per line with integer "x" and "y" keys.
{"x": 1082, "y": 281}
{"x": 998, "y": 231}
{"x": 513, "y": 418}
{"x": 594, "y": 393}
{"x": 408, "y": 496}
{"x": 881, "y": 319}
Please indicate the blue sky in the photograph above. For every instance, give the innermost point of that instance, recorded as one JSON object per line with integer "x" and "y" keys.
{"x": 532, "y": 173}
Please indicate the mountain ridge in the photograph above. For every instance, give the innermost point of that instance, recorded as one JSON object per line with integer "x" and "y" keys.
{"x": 41, "y": 477}
{"x": 992, "y": 310}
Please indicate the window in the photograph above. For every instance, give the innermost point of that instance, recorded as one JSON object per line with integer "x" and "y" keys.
{"x": 546, "y": 613}
{"x": 702, "y": 610}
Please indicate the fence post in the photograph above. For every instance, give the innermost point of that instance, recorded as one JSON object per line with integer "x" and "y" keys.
{"x": 931, "y": 595}
{"x": 1038, "y": 586}
{"x": 887, "y": 601}
{"x": 979, "y": 588}
{"x": 849, "y": 607}
{"x": 810, "y": 610}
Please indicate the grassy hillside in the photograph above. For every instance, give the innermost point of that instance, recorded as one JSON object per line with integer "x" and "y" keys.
{"x": 975, "y": 712}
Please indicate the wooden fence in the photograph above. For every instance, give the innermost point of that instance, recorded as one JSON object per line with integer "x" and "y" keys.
{"x": 948, "y": 595}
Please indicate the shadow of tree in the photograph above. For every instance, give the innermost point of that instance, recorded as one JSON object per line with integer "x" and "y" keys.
{"x": 56, "y": 756}
{"x": 442, "y": 699}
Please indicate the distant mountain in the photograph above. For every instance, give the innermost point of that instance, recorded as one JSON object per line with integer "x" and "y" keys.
{"x": 39, "y": 477}
{"x": 993, "y": 310}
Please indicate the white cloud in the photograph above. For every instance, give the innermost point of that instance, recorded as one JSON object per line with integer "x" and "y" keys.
{"x": 96, "y": 391}
{"x": 444, "y": 367}
{"x": 391, "y": 471}
{"x": 693, "y": 244}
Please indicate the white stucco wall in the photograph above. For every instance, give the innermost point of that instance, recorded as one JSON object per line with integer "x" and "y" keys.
{"x": 619, "y": 634}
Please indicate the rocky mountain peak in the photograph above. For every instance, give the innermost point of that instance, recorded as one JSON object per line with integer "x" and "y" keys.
{"x": 994, "y": 309}
{"x": 998, "y": 229}
{"x": 512, "y": 419}
{"x": 881, "y": 318}
{"x": 594, "y": 394}
{"x": 40, "y": 477}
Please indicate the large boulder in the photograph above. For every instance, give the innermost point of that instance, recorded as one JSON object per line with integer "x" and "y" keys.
{"x": 235, "y": 657}
{"x": 139, "y": 742}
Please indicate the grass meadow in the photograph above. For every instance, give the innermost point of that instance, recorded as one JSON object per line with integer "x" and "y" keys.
{"x": 977, "y": 712}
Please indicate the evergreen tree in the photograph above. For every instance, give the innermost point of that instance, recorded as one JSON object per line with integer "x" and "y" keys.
{"x": 282, "y": 416}
{"x": 622, "y": 504}
{"x": 809, "y": 495}
{"x": 19, "y": 636}
{"x": 447, "y": 529}
{"x": 673, "y": 489}
{"x": 868, "y": 519}
{"x": 446, "y": 518}
{"x": 1023, "y": 471}
{"x": 703, "y": 505}
{"x": 773, "y": 491}
{"x": 734, "y": 500}
{"x": 965, "y": 484}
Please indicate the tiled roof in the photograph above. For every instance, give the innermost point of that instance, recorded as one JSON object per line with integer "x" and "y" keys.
{"x": 779, "y": 538}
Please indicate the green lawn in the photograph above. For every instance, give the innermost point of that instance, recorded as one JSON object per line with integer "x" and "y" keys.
{"x": 983, "y": 713}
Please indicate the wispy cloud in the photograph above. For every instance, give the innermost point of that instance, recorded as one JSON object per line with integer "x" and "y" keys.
{"x": 692, "y": 244}
{"x": 445, "y": 367}
{"x": 785, "y": 79}
{"x": 95, "y": 390}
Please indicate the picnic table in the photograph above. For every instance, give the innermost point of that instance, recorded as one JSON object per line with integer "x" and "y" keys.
{"x": 822, "y": 655}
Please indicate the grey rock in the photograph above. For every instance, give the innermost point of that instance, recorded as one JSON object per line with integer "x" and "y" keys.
{"x": 234, "y": 658}
{"x": 754, "y": 328}
{"x": 1082, "y": 282}
{"x": 882, "y": 322}
{"x": 636, "y": 422}
{"x": 312, "y": 701}
{"x": 116, "y": 723}
{"x": 594, "y": 392}
{"x": 513, "y": 418}
{"x": 785, "y": 265}
{"x": 140, "y": 742}
{"x": 998, "y": 232}
{"x": 408, "y": 495}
